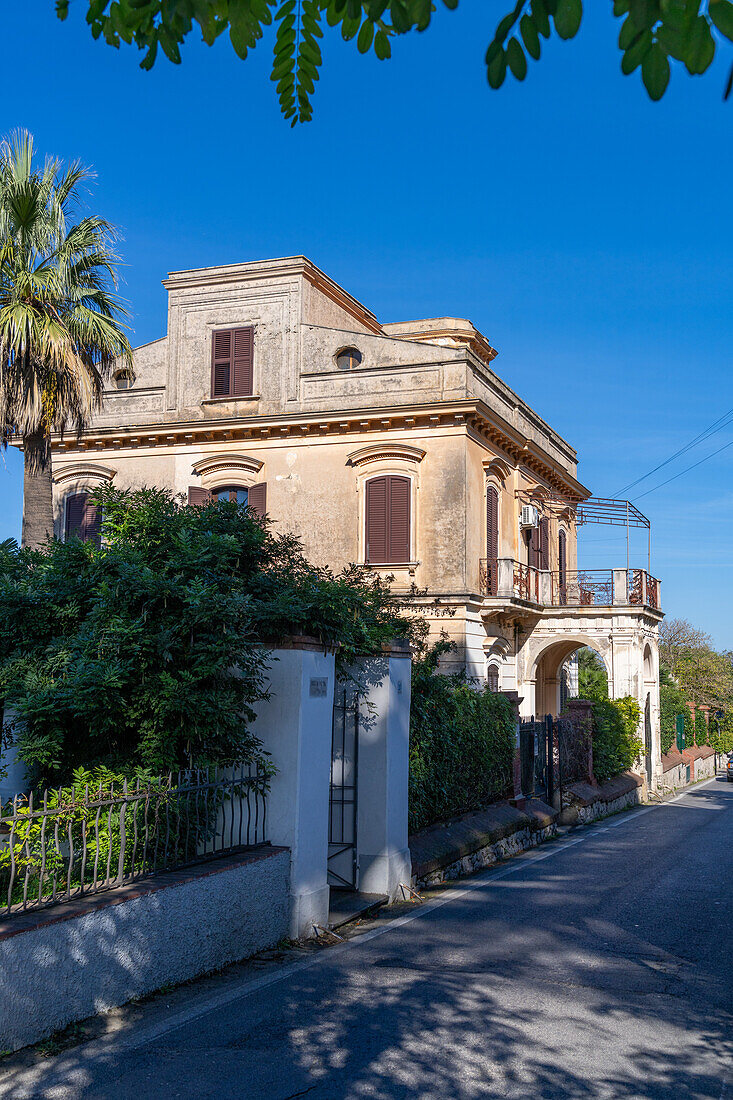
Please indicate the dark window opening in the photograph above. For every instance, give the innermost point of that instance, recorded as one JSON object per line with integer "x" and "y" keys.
{"x": 349, "y": 358}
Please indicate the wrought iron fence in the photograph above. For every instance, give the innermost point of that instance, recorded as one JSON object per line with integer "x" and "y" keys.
{"x": 489, "y": 576}
{"x": 78, "y": 841}
{"x": 526, "y": 582}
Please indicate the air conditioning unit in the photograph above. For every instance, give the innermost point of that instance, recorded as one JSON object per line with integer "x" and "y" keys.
{"x": 530, "y": 516}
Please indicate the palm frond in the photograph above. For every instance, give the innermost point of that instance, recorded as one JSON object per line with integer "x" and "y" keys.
{"x": 61, "y": 320}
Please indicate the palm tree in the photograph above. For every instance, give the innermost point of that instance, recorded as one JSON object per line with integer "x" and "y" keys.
{"x": 61, "y": 324}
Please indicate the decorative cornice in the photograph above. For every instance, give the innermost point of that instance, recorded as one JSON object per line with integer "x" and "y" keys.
{"x": 385, "y": 450}
{"x": 215, "y": 464}
{"x": 482, "y": 422}
{"x": 79, "y": 470}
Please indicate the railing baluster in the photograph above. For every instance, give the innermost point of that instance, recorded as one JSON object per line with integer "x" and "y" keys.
{"x": 55, "y": 841}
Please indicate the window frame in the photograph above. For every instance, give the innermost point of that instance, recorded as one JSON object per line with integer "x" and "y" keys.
{"x": 231, "y": 360}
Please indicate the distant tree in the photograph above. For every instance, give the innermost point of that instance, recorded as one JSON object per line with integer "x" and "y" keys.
{"x": 651, "y": 33}
{"x": 592, "y": 676}
{"x": 60, "y": 320}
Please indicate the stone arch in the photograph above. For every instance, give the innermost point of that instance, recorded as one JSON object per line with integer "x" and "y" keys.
{"x": 545, "y": 667}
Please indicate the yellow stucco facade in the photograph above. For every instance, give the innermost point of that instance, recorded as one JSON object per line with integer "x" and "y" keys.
{"x": 423, "y": 403}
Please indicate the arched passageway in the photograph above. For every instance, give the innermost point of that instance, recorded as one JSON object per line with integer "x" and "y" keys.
{"x": 548, "y": 672}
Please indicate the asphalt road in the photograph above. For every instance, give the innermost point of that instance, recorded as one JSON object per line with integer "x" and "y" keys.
{"x": 595, "y": 966}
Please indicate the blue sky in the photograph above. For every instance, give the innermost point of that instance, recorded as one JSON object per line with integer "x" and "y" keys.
{"x": 583, "y": 229}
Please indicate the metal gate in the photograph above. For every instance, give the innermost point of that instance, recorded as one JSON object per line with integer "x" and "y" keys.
{"x": 342, "y": 805}
{"x": 539, "y": 758}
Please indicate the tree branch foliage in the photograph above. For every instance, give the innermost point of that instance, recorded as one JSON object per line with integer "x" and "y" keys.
{"x": 692, "y": 671}
{"x": 651, "y": 33}
{"x": 125, "y": 655}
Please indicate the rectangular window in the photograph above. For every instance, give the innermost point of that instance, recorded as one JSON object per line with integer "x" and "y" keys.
{"x": 83, "y": 519}
{"x": 232, "y": 362}
{"x": 388, "y": 520}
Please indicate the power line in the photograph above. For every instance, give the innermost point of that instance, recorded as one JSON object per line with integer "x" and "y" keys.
{"x": 712, "y": 429}
{"x": 686, "y": 470}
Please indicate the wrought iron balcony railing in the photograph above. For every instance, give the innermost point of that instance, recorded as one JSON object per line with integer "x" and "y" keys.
{"x": 509, "y": 579}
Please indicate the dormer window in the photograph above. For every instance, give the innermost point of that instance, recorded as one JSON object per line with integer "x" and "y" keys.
{"x": 348, "y": 358}
{"x": 123, "y": 379}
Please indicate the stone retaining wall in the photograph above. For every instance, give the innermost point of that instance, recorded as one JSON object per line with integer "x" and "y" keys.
{"x": 584, "y": 802}
{"x": 473, "y": 841}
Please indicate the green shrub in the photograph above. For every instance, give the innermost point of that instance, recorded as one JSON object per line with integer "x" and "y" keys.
{"x": 123, "y": 656}
{"x": 672, "y": 702}
{"x": 701, "y": 728}
{"x": 616, "y": 743}
{"x": 462, "y": 743}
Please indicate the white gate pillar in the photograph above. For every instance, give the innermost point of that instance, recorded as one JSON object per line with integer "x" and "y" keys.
{"x": 383, "y": 771}
{"x": 14, "y": 778}
{"x": 295, "y": 726}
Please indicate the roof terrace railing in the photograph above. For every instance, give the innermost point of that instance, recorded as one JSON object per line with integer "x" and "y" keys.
{"x": 509, "y": 579}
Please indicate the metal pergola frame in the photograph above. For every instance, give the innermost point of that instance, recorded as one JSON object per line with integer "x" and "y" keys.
{"x": 603, "y": 510}
{"x": 615, "y": 513}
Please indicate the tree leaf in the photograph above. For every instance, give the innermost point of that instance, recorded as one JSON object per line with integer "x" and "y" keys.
{"x": 568, "y": 17}
{"x": 366, "y": 34}
{"x": 655, "y": 72}
{"x": 721, "y": 13}
{"x": 700, "y": 47}
{"x": 515, "y": 59}
{"x": 540, "y": 17}
{"x": 635, "y": 54}
{"x": 530, "y": 36}
{"x": 496, "y": 70}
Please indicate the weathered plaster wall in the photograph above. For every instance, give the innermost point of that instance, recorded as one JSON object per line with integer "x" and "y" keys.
{"x": 67, "y": 969}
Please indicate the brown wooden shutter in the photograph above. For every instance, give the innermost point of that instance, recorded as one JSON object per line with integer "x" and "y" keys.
{"x": 534, "y": 548}
{"x": 91, "y": 525}
{"x": 75, "y": 510}
{"x": 544, "y": 543}
{"x": 492, "y": 537}
{"x": 221, "y": 363}
{"x": 398, "y": 545}
{"x": 257, "y": 498}
{"x": 562, "y": 558}
{"x": 242, "y": 362}
{"x": 198, "y": 496}
{"x": 376, "y": 520}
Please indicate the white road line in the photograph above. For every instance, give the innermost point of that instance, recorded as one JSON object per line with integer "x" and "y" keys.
{"x": 98, "y": 1049}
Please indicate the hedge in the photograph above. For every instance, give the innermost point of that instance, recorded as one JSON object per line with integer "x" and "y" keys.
{"x": 616, "y": 744}
{"x": 462, "y": 741}
{"x": 672, "y": 702}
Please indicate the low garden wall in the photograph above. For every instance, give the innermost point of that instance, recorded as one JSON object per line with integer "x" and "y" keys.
{"x": 476, "y": 840}
{"x": 62, "y": 964}
{"x": 585, "y": 802}
{"x": 702, "y": 762}
{"x": 674, "y": 770}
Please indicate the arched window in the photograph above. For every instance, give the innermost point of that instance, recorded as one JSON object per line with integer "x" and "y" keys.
{"x": 562, "y": 564}
{"x": 492, "y": 540}
{"x": 83, "y": 519}
{"x": 387, "y": 520}
{"x": 492, "y": 678}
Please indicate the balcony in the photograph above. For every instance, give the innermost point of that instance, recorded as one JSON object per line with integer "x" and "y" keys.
{"x": 506, "y": 579}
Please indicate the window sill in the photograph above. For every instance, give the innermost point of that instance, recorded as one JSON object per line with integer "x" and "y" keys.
{"x": 241, "y": 397}
{"x": 389, "y": 566}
